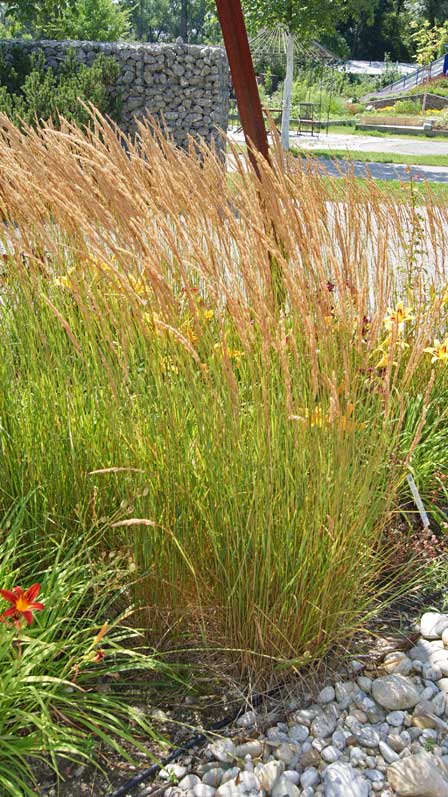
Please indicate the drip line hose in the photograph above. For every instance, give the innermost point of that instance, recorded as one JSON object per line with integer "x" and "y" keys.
{"x": 194, "y": 741}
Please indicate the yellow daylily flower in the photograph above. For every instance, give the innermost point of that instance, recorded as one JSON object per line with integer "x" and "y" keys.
{"x": 397, "y": 317}
{"x": 384, "y": 349}
{"x": 191, "y": 335}
{"x": 314, "y": 417}
{"x": 64, "y": 280}
{"x": 232, "y": 354}
{"x": 439, "y": 351}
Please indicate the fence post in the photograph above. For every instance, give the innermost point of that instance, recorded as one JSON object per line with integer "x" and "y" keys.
{"x": 243, "y": 77}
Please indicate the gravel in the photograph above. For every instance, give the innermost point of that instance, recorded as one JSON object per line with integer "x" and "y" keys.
{"x": 384, "y": 732}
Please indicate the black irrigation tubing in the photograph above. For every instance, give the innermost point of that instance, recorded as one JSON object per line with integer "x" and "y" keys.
{"x": 193, "y": 741}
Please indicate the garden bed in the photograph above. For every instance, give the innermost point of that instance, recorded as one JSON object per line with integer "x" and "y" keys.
{"x": 216, "y": 384}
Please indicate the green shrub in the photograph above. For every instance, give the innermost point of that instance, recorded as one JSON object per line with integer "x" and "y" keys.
{"x": 441, "y": 120}
{"x": 30, "y": 92}
{"x": 408, "y": 106}
{"x": 328, "y": 103}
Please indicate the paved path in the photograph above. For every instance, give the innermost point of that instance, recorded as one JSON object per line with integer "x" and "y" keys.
{"x": 354, "y": 143}
{"x": 388, "y": 144}
{"x": 379, "y": 171}
{"x": 386, "y": 171}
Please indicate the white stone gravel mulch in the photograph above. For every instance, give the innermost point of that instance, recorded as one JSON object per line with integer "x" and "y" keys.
{"x": 384, "y": 735}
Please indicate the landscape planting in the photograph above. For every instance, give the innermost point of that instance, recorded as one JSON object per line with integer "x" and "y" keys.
{"x": 223, "y": 400}
{"x": 298, "y": 367}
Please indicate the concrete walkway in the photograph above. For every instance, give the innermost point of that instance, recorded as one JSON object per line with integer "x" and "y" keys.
{"x": 379, "y": 171}
{"x": 386, "y": 144}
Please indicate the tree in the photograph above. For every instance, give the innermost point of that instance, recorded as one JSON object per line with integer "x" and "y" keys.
{"x": 435, "y": 11}
{"x": 165, "y": 20}
{"x": 305, "y": 21}
{"x": 33, "y": 13}
{"x": 97, "y": 20}
{"x": 386, "y": 31}
{"x": 151, "y": 20}
{"x": 430, "y": 41}
{"x": 10, "y": 28}
{"x": 183, "y": 27}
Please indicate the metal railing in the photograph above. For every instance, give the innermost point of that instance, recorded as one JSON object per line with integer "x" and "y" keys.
{"x": 421, "y": 75}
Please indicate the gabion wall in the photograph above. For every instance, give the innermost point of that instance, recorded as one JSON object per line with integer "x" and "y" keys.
{"x": 185, "y": 85}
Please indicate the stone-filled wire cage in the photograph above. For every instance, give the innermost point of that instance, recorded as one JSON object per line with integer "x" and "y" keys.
{"x": 184, "y": 87}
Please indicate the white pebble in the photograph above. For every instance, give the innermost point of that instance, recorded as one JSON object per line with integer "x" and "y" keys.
{"x": 395, "y": 718}
{"x": 326, "y": 695}
{"x": 433, "y": 624}
{"x": 249, "y": 782}
{"x": 247, "y": 720}
{"x": 229, "y": 789}
{"x": 374, "y": 776}
{"x": 284, "y": 788}
{"x": 213, "y": 777}
{"x": 230, "y": 774}
{"x": 364, "y": 683}
{"x": 253, "y": 748}
{"x": 357, "y": 756}
{"x": 305, "y": 716}
{"x": 339, "y": 740}
{"x": 330, "y": 754}
{"x": 269, "y": 774}
{"x": 189, "y": 782}
{"x": 310, "y": 778}
{"x": 223, "y": 750}
{"x": 389, "y": 755}
{"x": 292, "y": 775}
{"x": 439, "y": 703}
{"x": 298, "y": 733}
{"x": 202, "y": 790}
{"x": 287, "y": 753}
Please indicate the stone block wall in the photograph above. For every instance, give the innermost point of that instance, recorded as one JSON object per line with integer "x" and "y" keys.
{"x": 429, "y": 101}
{"x": 186, "y": 86}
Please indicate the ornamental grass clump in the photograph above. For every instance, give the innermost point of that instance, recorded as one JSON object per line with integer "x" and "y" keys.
{"x": 235, "y": 370}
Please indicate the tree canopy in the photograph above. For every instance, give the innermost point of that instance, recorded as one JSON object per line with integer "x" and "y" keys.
{"x": 309, "y": 20}
{"x": 156, "y": 20}
{"x": 100, "y": 20}
{"x": 368, "y": 29}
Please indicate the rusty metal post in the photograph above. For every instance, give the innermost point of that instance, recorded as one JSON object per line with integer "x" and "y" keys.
{"x": 243, "y": 76}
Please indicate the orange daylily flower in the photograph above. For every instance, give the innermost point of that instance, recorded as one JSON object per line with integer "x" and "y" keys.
{"x": 22, "y": 603}
{"x": 98, "y": 656}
